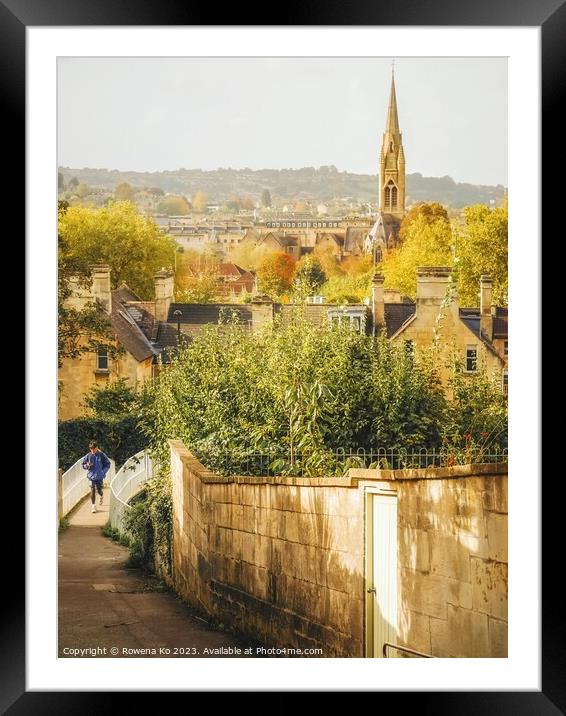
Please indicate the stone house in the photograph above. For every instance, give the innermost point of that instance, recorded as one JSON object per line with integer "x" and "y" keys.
{"x": 477, "y": 336}
{"x": 77, "y": 376}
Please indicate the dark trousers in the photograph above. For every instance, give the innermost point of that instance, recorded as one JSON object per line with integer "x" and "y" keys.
{"x": 94, "y": 488}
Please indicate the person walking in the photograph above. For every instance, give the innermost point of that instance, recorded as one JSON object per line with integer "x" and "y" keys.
{"x": 97, "y": 464}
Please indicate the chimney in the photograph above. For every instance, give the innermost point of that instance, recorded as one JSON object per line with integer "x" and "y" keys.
{"x": 377, "y": 301}
{"x": 432, "y": 284}
{"x": 486, "y": 309}
{"x": 101, "y": 291}
{"x": 164, "y": 281}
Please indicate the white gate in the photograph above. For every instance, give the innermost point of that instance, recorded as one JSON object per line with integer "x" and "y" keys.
{"x": 381, "y": 571}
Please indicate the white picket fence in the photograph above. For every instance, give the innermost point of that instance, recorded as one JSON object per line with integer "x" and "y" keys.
{"x": 75, "y": 485}
{"x": 126, "y": 483}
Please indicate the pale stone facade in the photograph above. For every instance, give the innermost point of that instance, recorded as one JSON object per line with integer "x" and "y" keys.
{"x": 458, "y": 332}
{"x": 282, "y": 560}
{"x": 77, "y": 376}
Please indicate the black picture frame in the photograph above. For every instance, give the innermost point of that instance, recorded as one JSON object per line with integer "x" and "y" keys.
{"x": 550, "y": 16}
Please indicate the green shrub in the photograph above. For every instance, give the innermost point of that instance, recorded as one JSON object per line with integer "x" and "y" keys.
{"x": 119, "y": 438}
{"x": 301, "y": 393}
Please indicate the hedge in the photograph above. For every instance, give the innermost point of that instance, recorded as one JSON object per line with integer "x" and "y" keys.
{"x": 119, "y": 438}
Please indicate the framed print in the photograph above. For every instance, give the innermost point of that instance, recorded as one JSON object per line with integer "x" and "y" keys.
{"x": 268, "y": 353}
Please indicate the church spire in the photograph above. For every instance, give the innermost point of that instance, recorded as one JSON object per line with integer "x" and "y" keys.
{"x": 392, "y": 118}
{"x": 392, "y": 161}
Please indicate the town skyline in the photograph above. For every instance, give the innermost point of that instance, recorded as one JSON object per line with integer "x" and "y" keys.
{"x": 282, "y": 113}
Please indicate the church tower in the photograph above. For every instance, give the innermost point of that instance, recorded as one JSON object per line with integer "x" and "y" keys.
{"x": 392, "y": 163}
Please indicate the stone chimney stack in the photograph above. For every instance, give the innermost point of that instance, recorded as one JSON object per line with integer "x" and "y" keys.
{"x": 101, "y": 290}
{"x": 377, "y": 302}
{"x": 432, "y": 284}
{"x": 164, "y": 281}
{"x": 486, "y": 308}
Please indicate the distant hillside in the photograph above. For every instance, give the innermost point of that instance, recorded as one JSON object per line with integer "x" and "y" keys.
{"x": 309, "y": 184}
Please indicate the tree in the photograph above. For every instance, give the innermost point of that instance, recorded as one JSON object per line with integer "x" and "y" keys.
{"x": 426, "y": 244}
{"x": 234, "y": 205}
{"x": 265, "y": 198}
{"x": 112, "y": 400}
{"x": 173, "y": 205}
{"x": 309, "y": 277}
{"x": 481, "y": 248}
{"x": 275, "y": 273}
{"x": 124, "y": 192}
{"x": 200, "y": 201}
{"x": 431, "y": 212}
{"x": 197, "y": 277}
{"x": 82, "y": 190}
{"x": 131, "y": 244}
{"x": 199, "y": 289}
{"x": 60, "y": 181}
{"x": 81, "y": 329}
{"x": 73, "y": 182}
{"x": 156, "y": 191}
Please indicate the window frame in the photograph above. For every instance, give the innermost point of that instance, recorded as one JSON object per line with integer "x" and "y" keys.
{"x": 472, "y": 347}
{"x": 102, "y": 353}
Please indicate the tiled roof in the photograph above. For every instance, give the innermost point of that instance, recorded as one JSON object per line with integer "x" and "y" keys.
{"x": 166, "y": 343}
{"x": 500, "y": 323}
{"x": 143, "y": 313}
{"x": 230, "y": 269}
{"x": 201, "y": 313}
{"x": 354, "y": 238}
{"x": 470, "y": 317}
{"x": 313, "y": 312}
{"x": 395, "y": 315}
{"x": 128, "y": 332}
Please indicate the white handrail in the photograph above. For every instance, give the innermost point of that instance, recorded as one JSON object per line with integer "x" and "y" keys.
{"x": 126, "y": 483}
{"x": 76, "y": 486}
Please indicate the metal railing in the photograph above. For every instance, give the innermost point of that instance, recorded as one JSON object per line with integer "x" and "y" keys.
{"x": 339, "y": 461}
{"x": 126, "y": 483}
{"x": 405, "y": 649}
{"x": 75, "y": 485}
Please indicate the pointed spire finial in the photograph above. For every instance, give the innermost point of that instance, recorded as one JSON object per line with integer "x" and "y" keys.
{"x": 392, "y": 119}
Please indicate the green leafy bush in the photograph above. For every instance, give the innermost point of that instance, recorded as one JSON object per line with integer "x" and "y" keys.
{"x": 119, "y": 438}
{"x": 301, "y": 393}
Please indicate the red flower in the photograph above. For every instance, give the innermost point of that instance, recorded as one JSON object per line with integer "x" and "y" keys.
{"x": 467, "y": 437}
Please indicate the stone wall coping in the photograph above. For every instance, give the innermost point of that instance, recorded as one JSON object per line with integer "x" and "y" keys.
{"x": 350, "y": 480}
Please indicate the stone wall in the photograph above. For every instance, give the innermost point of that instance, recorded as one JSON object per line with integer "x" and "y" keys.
{"x": 282, "y": 560}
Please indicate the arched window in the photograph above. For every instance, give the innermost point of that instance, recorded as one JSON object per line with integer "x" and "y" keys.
{"x": 387, "y": 197}
{"x": 378, "y": 255}
{"x": 394, "y": 196}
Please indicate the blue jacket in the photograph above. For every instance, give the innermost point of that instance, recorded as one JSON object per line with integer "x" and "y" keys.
{"x": 97, "y": 465}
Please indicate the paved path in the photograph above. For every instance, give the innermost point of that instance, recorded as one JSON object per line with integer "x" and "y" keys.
{"x": 102, "y": 603}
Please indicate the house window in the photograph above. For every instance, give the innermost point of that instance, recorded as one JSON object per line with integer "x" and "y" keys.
{"x": 506, "y": 348}
{"x": 471, "y": 359}
{"x": 356, "y": 323}
{"x": 505, "y": 382}
{"x": 102, "y": 359}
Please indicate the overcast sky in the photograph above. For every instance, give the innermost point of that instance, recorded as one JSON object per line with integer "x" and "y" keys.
{"x": 150, "y": 114}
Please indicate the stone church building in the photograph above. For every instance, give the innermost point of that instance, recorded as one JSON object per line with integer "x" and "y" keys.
{"x": 384, "y": 234}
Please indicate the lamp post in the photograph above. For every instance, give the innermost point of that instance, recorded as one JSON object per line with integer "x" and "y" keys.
{"x": 178, "y": 315}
